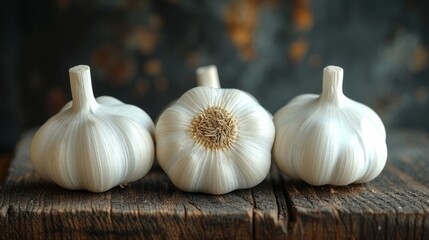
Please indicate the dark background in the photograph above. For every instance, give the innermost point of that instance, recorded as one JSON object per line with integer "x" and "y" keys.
{"x": 146, "y": 52}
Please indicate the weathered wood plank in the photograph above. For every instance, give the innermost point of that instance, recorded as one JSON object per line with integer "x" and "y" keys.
{"x": 394, "y": 206}
{"x": 149, "y": 208}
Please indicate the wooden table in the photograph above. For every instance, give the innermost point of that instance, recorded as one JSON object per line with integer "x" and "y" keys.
{"x": 394, "y": 206}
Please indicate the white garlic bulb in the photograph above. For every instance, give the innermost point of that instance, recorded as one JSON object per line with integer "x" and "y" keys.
{"x": 329, "y": 139}
{"x": 214, "y": 140}
{"x": 93, "y": 144}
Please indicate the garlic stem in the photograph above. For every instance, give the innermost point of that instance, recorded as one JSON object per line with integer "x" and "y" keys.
{"x": 332, "y": 89}
{"x": 208, "y": 77}
{"x": 81, "y": 88}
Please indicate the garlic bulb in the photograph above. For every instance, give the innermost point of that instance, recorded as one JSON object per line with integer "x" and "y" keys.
{"x": 93, "y": 144}
{"x": 329, "y": 139}
{"x": 214, "y": 140}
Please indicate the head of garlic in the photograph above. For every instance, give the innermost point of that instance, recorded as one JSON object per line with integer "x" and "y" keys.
{"x": 214, "y": 140}
{"x": 93, "y": 144}
{"x": 329, "y": 138}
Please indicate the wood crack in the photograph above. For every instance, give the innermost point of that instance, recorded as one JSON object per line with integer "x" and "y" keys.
{"x": 185, "y": 220}
{"x": 253, "y": 215}
{"x": 12, "y": 226}
{"x": 283, "y": 203}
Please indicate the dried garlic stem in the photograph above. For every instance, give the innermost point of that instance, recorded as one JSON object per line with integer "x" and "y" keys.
{"x": 332, "y": 89}
{"x": 208, "y": 77}
{"x": 81, "y": 88}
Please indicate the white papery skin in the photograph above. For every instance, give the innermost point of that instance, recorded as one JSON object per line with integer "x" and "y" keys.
{"x": 93, "y": 144}
{"x": 329, "y": 139}
{"x": 195, "y": 168}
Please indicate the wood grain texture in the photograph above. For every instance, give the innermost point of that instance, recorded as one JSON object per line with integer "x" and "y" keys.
{"x": 394, "y": 206}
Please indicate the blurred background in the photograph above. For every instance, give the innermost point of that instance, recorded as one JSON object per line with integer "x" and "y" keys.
{"x": 145, "y": 53}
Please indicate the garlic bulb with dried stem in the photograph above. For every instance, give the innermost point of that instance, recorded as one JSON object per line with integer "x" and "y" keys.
{"x": 214, "y": 140}
{"x": 93, "y": 144}
{"x": 329, "y": 138}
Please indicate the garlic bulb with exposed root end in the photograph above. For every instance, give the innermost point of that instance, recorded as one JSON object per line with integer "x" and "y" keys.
{"x": 329, "y": 139}
{"x": 214, "y": 140}
{"x": 93, "y": 144}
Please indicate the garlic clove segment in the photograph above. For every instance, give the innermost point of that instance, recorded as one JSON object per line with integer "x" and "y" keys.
{"x": 93, "y": 144}
{"x": 214, "y": 140}
{"x": 131, "y": 111}
{"x": 329, "y": 138}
